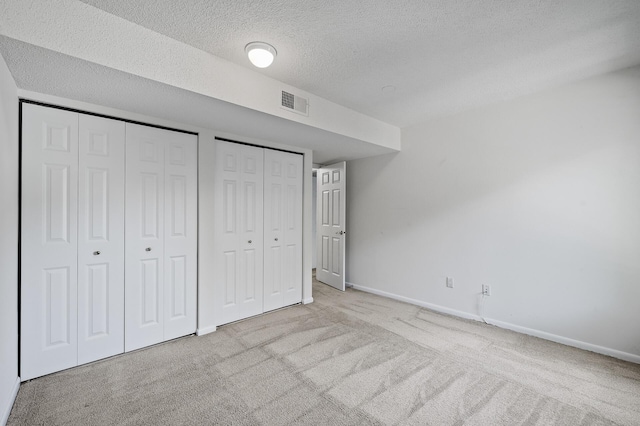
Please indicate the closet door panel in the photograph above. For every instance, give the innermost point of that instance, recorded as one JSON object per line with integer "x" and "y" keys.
{"x": 180, "y": 231}
{"x": 292, "y": 207}
{"x": 283, "y": 229}
{"x": 48, "y": 241}
{"x": 100, "y": 238}
{"x": 251, "y": 231}
{"x": 144, "y": 236}
{"x": 274, "y": 230}
{"x": 238, "y": 227}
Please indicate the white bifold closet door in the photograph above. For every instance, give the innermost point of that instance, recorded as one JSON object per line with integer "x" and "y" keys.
{"x": 257, "y": 230}
{"x": 100, "y": 238}
{"x": 161, "y": 240}
{"x": 71, "y": 239}
{"x": 282, "y": 229}
{"x": 238, "y": 227}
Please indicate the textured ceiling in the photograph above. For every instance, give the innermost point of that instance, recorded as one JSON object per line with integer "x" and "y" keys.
{"x": 442, "y": 56}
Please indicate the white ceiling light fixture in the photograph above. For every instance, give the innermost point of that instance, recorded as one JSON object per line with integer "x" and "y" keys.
{"x": 260, "y": 54}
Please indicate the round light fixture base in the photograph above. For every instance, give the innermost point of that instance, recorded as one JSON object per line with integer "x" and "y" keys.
{"x": 260, "y": 54}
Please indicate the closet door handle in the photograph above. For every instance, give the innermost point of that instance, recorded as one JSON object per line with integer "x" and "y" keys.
{"x": 147, "y": 249}
{"x": 96, "y": 253}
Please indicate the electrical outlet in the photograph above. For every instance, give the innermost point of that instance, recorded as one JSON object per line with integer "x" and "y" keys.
{"x": 486, "y": 290}
{"x": 449, "y": 282}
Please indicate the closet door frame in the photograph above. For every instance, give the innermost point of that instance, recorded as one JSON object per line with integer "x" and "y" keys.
{"x": 232, "y": 241}
{"x": 81, "y": 331}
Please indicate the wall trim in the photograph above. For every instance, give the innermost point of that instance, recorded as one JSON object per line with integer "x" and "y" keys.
{"x": 10, "y": 402}
{"x": 307, "y": 300}
{"x": 206, "y": 330}
{"x": 95, "y": 114}
{"x": 417, "y": 302}
{"x": 625, "y": 356}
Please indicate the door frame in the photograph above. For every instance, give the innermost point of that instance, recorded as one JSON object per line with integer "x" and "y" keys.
{"x": 207, "y": 202}
{"x": 55, "y": 102}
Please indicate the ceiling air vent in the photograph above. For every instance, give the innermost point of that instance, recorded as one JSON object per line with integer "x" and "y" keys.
{"x": 295, "y": 103}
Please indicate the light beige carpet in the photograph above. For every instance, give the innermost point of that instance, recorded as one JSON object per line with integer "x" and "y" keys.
{"x": 347, "y": 359}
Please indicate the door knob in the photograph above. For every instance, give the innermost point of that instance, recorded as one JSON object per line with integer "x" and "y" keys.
{"x": 147, "y": 249}
{"x": 96, "y": 253}
{"x": 276, "y": 239}
{"x": 341, "y": 233}
{"x": 249, "y": 241}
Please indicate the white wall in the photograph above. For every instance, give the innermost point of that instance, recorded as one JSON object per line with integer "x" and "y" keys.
{"x": 538, "y": 197}
{"x": 9, "y": 380}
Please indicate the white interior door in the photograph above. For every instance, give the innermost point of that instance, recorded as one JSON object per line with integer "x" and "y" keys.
{"x": 100, "y": 238}
{"x": 238, "y": 232}
{"x": 144, "y": 244}
{"x": 331, "y": 181}
{"x": 49, "y": 241}
{"x": 180, "y": 231}
{"x": 282, "y": 229}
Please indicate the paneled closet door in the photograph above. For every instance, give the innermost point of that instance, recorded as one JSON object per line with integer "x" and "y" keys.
{"x": 144, "y": 236}
{"x": 100, "y": 238}
{"x": 238, "y": 227}
{"x": 48, "y": 241}
{"x": 180, "y": 231}
{"x": 283, "y": 229}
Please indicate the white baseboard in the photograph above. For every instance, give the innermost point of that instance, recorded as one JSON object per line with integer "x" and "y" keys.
{"x": 9, "y": 406}
{"x": 567, "y": 341}
{"x": 206, "y": 330}
{"x": 524, "y": 330}
{"x": 417, "y": 302}
{"x": 307, "y": 300}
